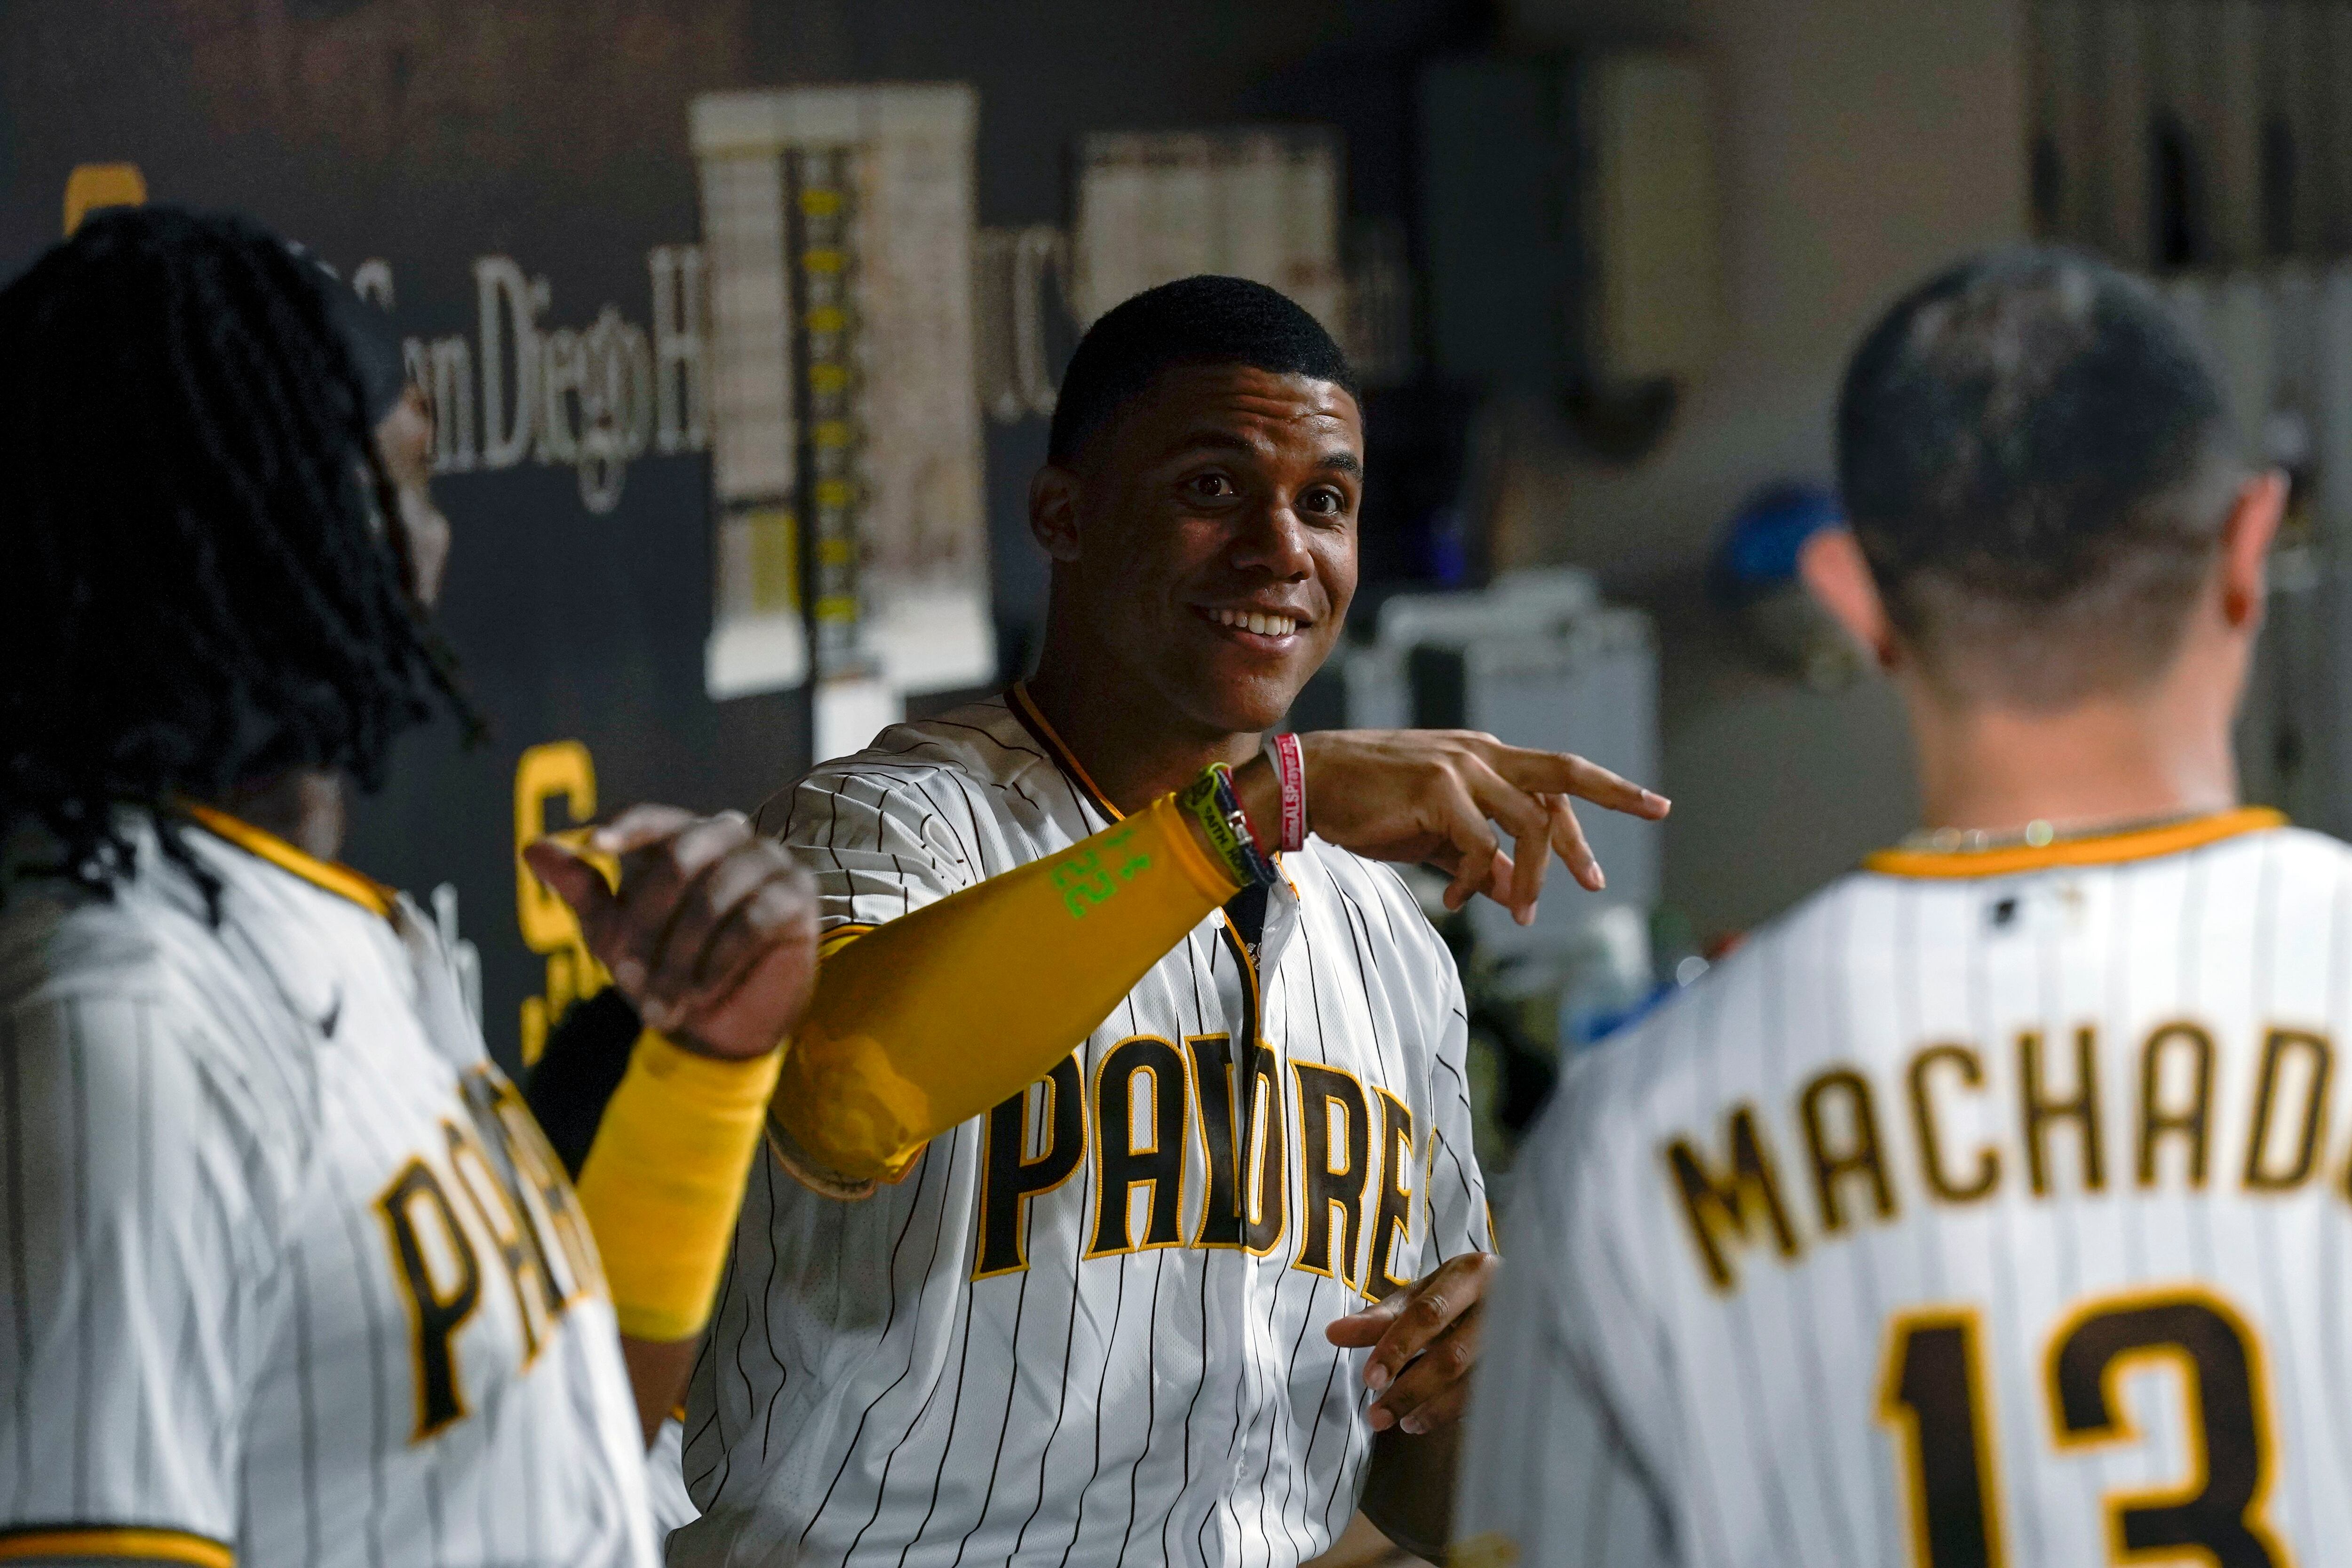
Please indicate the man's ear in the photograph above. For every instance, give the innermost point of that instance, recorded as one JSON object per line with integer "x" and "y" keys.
{"x": 2246, "y": 548}
{"x": 1054, "y": 511}
{"x": 1838, "y": 577}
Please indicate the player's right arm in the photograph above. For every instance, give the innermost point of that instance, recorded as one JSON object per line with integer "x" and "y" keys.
{"x": 138, "y": 1189}
{"x": 1550, "y": 1475}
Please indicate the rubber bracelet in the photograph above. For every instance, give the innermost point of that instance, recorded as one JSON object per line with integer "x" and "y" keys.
{"x": 1210, "y": 801}
{"x": 1289, "y": 760}
{"x": 1260, "y": 866}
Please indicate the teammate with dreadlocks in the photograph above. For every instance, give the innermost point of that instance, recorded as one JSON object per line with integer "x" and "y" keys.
{"x": 292, "y": 1276}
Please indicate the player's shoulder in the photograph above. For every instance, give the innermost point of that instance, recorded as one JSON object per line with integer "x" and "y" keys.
{"x": 982, "y": 752}
{"x": 59, "y": 938}
{"x": 1703, "y": 1036}
{"x": 231, "y": 962}
{"x": 2281, "y": 871}
{"x": 132, "y": 997}
{"x": 2314, "y": 861}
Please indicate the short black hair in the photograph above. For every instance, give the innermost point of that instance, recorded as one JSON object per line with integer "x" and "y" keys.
{"x": 1206, "y": 320}
{"x": 208, "y": 583}
{"x": 2036, "y": 459}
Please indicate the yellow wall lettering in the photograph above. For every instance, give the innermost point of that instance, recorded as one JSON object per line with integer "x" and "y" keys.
{"x": 559, "y": 771}
{"x": 94, "y": 185}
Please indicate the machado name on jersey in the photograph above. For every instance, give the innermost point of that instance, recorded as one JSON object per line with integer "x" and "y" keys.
{"x": 1988, "y": 1209}
{"x": 1088, "y": 1326}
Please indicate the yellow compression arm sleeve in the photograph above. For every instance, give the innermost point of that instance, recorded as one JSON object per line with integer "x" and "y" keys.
{"x": 665, "y": 1177}
{"x": 939, "y": 1014}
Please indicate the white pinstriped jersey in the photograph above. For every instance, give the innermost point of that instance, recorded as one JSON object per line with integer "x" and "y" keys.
{"x": 292, "y": 1276}
{"x": 1066, "y": 1336}
{"x": 1980, "y": 1214}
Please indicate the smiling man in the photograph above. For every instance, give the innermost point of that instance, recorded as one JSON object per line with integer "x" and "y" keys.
{"x": 1212, "y": 1275}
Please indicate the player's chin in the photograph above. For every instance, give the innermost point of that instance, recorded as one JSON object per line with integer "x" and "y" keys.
{"x": 1246, "y": 695}
{"x": 1236, "y": 688}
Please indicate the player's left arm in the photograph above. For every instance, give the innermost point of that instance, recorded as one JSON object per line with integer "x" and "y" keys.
{"x": 1425, "y": 1339}
{"x": 1425, "y": 1343}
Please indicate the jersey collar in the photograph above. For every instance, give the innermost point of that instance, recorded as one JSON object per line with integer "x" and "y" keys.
{"x": 1024, "y": 709}
{"x": 2108, "y": 849}
{"x": 339, "y": 879}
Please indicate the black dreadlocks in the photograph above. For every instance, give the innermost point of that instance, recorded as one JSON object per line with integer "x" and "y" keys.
{"x": 207, "y": 587}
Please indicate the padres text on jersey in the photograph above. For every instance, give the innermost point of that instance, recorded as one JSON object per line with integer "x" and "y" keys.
{"x": 1986, "y": 1209}
{"x": 1088, "y": 1326}
{"x": 294, "y": 1279}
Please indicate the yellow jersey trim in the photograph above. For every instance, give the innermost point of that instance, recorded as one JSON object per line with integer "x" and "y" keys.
{"x": 2104, "y": 849}
{"x": 338, "y": 879}
{"x": 116, "y": 1540}
{"x": 839, "y": 937}
{"x": 1025, "y": 708}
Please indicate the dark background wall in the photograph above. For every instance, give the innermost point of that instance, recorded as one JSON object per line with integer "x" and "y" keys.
{"x": 430, "y": 133}
{"x": 1859, "y": 145}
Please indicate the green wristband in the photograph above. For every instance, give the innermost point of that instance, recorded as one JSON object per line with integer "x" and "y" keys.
{"x": 1210, "y": 801}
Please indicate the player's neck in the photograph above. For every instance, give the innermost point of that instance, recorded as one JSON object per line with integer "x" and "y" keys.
{"x": 303, "y": 806}
{"x": 2108, "y": 760}
{"x": 1134, "y": 744}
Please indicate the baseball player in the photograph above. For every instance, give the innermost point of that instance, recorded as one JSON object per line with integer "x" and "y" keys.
{"x": 1123, "y": 1206}
{"x": 1990, "y": 1207}
{"x": 291, "y": 1275}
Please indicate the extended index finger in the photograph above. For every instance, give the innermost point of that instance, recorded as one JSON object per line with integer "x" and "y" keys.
{"x": 1559, "y": 772}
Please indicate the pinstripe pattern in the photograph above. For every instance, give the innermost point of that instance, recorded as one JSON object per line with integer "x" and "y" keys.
{"x": 864, "y": 1399}
{"x": 1631, "y": 1414}
{"x": 209, "y": 1339}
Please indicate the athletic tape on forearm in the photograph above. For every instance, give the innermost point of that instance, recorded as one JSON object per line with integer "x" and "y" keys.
{"x": 665, "y": 1177}
{"x": 939, "y": 1014}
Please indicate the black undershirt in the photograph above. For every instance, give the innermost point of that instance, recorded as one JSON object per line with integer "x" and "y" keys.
{"x": 587, "y": 1052}
{"x": 1246, "y": 910}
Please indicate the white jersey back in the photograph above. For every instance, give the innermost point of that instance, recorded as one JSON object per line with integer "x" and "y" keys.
{"x": 1089, "y": 1327}
{"x": 293, "y": 1278}
{"x": 1986, "y": 1209}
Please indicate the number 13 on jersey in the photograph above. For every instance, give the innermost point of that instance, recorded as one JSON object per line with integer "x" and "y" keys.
{"x": 1934, "y": 1394}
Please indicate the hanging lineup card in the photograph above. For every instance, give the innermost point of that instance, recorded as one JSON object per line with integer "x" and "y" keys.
{"x": 1261, "y": 203}
{"x": 862, "y": 195}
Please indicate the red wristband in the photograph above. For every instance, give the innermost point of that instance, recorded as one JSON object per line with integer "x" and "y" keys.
{"x": 1289, "y": 760}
